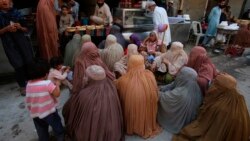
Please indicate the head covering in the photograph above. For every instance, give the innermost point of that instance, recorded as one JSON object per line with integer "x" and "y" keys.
{"x": 132, "y": 49}
{"x": 176, "y": 56}
{"x": 135, "y": 39}
{"x": 112, "y": 54}
{"x": 138, "y": 95}
{"x": 136, "y": 62}
{"x": 71, "y": 48}
{"x": 194, "y": 54}
{"x": 200, "y": 62}
{"x": 95, "y": 72}
{"x": 223, "y": 116}
{"x": 89, "y": 56}
{"x": 96, "y": 110}
{"x": 86, "y": 38}
{"x": 121, "y": 66}
{"x": 150, "y": 3}
{"x": 111, "y": 39}
{"x": 179, "y": 101}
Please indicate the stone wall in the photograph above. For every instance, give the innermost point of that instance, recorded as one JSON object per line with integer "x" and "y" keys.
{"x": 195, "y": 8}
{"x": 236, "y": 6}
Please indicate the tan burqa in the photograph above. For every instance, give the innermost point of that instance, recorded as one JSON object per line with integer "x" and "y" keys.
{"x": 121, "y": 65}
{"x": 138, "y": 94}
{"x": 223, "y": 116}
{"x": 112, "y": 52}
{"x": 47, "y": 33}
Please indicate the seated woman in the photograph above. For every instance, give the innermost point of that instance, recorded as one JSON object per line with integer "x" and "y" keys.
{"x": 89, "y": 56}
{"x": 179, "y": 101}
{"x": 200, "y": 62}
{"x": 112, "y": 52}
{"x": 85, "y": 38}
{"x": 120, "y": 67}
{"x": 95, "y": 113}
{"x": 168, "y": 64}
{"x": 134, "y": 39}
{"x": 138, "y": 94}
{"x": 70, "y": 49}
{"x": 223, "y": 116}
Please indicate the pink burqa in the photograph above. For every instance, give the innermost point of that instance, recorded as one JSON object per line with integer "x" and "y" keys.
{"x": 47, "y": 33}
{"x": 89, "y": 56}
{"x": 200, "y": 62}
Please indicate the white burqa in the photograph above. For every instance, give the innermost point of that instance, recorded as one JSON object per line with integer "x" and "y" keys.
{"x": 160, "y": 17}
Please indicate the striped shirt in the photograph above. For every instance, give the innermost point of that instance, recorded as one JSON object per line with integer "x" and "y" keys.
{"x": 39, "y": 100}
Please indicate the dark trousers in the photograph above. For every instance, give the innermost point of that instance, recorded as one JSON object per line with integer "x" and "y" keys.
{"x": 20, "y": 74}
{"x": 42, "y": 127}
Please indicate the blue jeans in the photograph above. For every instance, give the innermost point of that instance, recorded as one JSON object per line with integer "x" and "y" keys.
{"x": 42, "y": 127}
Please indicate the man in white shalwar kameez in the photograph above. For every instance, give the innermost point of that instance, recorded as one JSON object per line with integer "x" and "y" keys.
{"x": 102, "y": 15}
{"x": 160, "y": 17}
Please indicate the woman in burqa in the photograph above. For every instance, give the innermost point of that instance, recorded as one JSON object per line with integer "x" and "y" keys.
{"x": 168, "y": 64}
{"x": 200, "y": 62}
{"x": 89, "y": 56}
{"x": 112, "y": 52}
{"x": 120, "y": 67}
{"x": 179, "y": 101}
{"x": 94, "y": 114}
{"x": 223, "y": 115}
{"x": 85, "y": 38}
{"x": 138, "y": 94}
{"x": 70, "y": 49}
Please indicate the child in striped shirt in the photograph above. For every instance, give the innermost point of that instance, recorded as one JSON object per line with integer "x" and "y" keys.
{"x": 40, "y": 101}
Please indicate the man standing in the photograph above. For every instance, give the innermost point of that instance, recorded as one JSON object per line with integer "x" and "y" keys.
{"x": 160, "y": 17}
{"x": 102, "y": 14}
{"x": 213, "y": 22}
{"x": 170, "y": 9}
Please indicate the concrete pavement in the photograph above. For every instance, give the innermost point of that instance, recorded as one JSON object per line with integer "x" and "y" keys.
{"x": 16, "y": 125}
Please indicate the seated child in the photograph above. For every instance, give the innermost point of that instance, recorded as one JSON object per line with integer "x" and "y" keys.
{"x": 66, "y": 20}
{"x": 58, "y": 73}
{"x": 41, "y": 103}
{"x": 151, "y": 44}
{"x": 150, "y": 48}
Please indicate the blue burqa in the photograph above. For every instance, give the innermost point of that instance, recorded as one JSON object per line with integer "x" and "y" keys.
{"x": 179, "y": 101}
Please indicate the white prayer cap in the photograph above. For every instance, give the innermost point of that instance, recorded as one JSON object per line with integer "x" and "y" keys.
{"x": 171, "y": 1}
{"x": 150, "y": 3}
{"x": 177, "y": 44}
{"x": 95, "y": 72}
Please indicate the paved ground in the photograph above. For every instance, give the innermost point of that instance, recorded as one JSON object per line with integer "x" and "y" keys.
{"x": 16, "y": 125}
